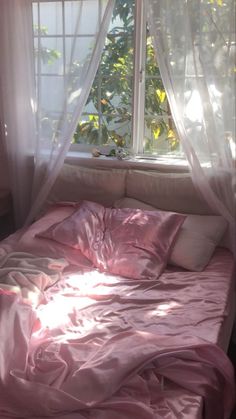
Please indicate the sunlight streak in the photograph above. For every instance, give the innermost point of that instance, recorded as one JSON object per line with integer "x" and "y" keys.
{"x": 164, "y": 309}
{"x": 74, "y": 95}
{"x": 78, "y": 292}
{"x": 56, "y": 313}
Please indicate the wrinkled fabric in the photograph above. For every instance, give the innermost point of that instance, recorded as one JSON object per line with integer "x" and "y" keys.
{"x": 47, "y": 375}
{"x": 26, "y": 240}
{"x": 29, "y": 275}
{"x": 129, "y": 242}
{"x": 105, "y": 347}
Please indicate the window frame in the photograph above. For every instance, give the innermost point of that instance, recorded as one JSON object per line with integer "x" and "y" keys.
{"x": 139, "y": 76}
{"x": 138, "y": 95}
{"x": 139, "y": 81}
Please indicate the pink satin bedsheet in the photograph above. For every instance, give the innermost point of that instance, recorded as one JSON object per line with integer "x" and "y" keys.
{"x": 106, "y": 347}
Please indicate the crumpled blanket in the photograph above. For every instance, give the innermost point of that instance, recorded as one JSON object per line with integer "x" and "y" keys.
{"x": 81, "y": 377}
{"x": 29, "y": 275}
{"x": 117, "y": 367}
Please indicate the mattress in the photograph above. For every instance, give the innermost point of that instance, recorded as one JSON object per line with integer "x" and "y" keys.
{"x": 78, "y": 343}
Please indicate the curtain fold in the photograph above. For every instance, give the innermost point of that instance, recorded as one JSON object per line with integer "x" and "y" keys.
{"x": 195, "y": 46}
{"x": 62, "y": 91}
{"x": 17, "y": 97}
{"x": 50, "y": 52}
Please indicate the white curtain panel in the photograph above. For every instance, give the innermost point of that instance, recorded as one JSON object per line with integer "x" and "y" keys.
{"x": 17, "y": 99}
{"x": 195, "y": 45}
{"x": 67, "y": 60}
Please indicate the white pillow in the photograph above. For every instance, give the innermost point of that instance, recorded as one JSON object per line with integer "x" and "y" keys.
{"x": 197, "y": 238}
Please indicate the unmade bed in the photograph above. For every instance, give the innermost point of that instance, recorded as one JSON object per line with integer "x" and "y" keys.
{"x": 98, "y": 320}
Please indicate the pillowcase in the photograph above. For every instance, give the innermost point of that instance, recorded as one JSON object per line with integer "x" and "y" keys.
{"x": 197, "y": 239}
{"x": 128, "y": 242}
{"x": 29, "y": 242}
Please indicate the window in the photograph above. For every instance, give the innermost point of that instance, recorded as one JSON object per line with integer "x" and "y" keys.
{"x": 127, "y": 104}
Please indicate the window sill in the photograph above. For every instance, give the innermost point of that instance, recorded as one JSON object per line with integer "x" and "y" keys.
{"x": 162, "y": 163}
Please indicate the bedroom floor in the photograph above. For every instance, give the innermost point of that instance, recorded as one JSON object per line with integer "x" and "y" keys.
{"x": 232, "y": 356}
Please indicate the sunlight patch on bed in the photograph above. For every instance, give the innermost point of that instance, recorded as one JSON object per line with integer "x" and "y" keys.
{"x": 164, "y": 309}
{"x": 79, "y": 292}
{"x": 88, "y": 282}
{"x": 57, "y": 312}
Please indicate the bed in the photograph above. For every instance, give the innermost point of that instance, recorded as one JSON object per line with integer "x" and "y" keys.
{"x": 105, "y": 316}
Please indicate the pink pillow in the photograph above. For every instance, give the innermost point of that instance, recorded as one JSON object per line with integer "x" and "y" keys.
{"x": 128, "y": 242}
{"x": 29, "y": 240}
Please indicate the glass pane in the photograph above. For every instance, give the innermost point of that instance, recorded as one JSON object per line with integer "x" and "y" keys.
{"x": 36, "y": 54}
{"x": 152, "y": 68}
{"x": 118, "y": 54}
{"x": 156, "y": 102}
{"x": 109, "y": 105}
{"x": 78, "y": 47}
{"x": 53, "y": 99}
{"x": 51, "y": 18}
{"x": 160, "y": 136}
{"x": 75, "y": 16}
{"x": 35, "y": 12}
{"x": 51, "y": 54}
{"x": 88, "y": 130}
{"x": 116, "y": 95}
{"x": 101, "y": 129}
{"x": 119, "y": 129}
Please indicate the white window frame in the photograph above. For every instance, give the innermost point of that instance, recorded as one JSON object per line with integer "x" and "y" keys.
{"x": 139, "y": 76}
{"x": 138, "y": 100}
{"x": 138, "y": 124}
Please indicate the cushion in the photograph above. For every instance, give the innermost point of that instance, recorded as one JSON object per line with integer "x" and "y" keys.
{"x": 75, "y": 183}
{"x": 197, "y": 239}
{"x": 132, "y": 243}
{"x": 166, "y": 191}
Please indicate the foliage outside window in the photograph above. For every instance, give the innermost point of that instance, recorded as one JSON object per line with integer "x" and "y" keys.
{"x": 108, "y": 115}
{"x": 111, "y": 113}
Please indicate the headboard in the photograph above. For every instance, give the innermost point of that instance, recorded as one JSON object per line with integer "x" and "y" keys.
{"x": 166, "y": 191}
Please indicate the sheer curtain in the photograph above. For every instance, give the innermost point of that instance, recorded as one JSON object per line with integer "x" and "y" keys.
{"x": 17, "y": 98}
{"x": 69, "y": 40}
{"x": 50, "y": 53}
{"x": 195, "y": 45}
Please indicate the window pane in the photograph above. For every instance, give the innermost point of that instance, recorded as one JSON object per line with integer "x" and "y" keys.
{"x": 116, "y": 95}
{"x": 110, "y": 99}
{"x": 53, "y": 99}
{"x": 107, "y": 115}
{"x": 35, "y": 12}
{"x": 118, "y": 55}
{"x": 73, "y": 9}
{"x": 95, "y": 129}
{"x": 51, "y": 55}
{"x": 51, "y": 17}
{"x": 160, "y": 135}
{"x": 156, "y": 102}
{"x": 77, "y": 47}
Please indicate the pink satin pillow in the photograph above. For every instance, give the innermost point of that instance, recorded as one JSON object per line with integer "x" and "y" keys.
{"x": 128, "y": 242}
